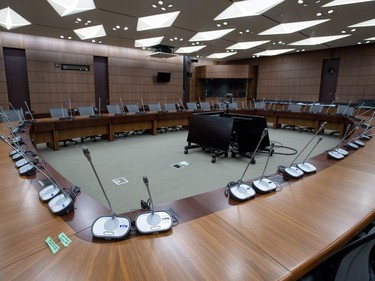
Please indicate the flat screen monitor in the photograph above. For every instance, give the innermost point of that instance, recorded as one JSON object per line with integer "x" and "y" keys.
{"x": 210, "y": 131}
{"x": 248, "y": 131}
{"x": 163, "y": 77}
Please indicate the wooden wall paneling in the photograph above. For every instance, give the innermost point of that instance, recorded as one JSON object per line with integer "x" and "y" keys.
{"x": 3, "y": 85}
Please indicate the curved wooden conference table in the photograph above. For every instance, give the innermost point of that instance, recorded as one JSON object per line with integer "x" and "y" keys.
{"x": 277, "y": 236}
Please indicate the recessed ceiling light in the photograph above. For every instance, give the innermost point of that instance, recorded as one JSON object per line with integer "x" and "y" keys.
{"x": 319, "y": 40}
{"x": 148, "y": 42}
{"x": 344, "y": 2}
{"x": 364, "y": 23}
{"x": 90, "y": 32}
{"x": 247, "y": 8}
{"x": 247, "y": 45}
{"x": 221, "y": 55}
{"x": 318, "y": 14}
{"x": 70, "y": 7}
{"x": 287, "y": 28}
{"x": 9, "y": 19}
{"x": 273, "y": 52}
{"x": 157, "y": 21}
{"x": 210, "y": 35}
{"x": 190, "y": 49}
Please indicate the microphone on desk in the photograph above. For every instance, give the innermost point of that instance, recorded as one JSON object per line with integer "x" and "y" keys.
{"x": 305, "y": 166}
{"x": 153, "y": 221}
{"x": 107, "y": 227}
{"x": 293, "y": 171}
{"x": 265, "y": 185}
{"x": 338, "y": 153}
{"x": 238, "y": 190}
{"x": 31, "y": 114}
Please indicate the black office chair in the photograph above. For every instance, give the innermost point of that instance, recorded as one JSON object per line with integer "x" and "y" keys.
{"x": 353, "y": 262}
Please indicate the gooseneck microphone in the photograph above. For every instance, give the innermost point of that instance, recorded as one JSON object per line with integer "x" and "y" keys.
{"x": 153, "y": 221}
{"x": 240, "y": 191}
{"x": 107, "y": 227}
{"x": 263, "y": 184}
{"x": 305, "y": 166}
{"x": 293, "y": 171}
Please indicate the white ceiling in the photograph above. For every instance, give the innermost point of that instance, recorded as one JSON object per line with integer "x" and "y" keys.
{"x": 198, "y": 16}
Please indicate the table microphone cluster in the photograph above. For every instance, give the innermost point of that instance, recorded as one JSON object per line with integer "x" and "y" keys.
{"x": 59, "y": 201}
{"x": 115, "y": 227}
{"x": 239, "y": 191}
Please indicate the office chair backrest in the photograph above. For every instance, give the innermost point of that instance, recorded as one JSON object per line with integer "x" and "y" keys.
{"x": 154, "y": 107}
{"x": 191, "y": 105}
{"x": 12, "y": 115}
{"x": 86, "y": 110}
{"x": 316, "y": 108}
{"x": 344, "y": 109}
{"x": 294, "y": 107}
{"x": 170, "y": 107}
{"x": 204, "y": 105}
{"x": 259, "y": 104}
{"x": 132, "y": 108}
{"x": 355, "y": 264}
{"x": 233, "y": 105}
{"x": 58, "y": 112}
{"x": 113, "y": 108}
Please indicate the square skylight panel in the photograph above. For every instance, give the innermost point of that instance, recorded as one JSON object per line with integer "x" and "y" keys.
{"x": 70, "y": 7}
{"x": 190, "y": 49}
{"x": 247, "y": 8}
{"x": 319, "y": 40}
{"x": 287, "y": 28}
{"x": 157, "y": 21}
{"x": 90, "y": 32}
{"x": 273, "y": 52}
{"x": 344, "y": 2}
{"x": 221, "y": 55}
{"x": 247, "y": 45}
{"x": 9, "y": 19}
{"x": 148, "y": 42}
{"x": 210, "y": 35}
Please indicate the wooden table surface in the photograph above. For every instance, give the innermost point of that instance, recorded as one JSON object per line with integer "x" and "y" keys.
{"x": 277, "y": 236}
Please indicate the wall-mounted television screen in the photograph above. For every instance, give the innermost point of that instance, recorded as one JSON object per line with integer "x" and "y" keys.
{"x": 163, "y": 77}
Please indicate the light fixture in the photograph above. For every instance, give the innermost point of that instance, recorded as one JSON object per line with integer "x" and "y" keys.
{"x": 221, "y": 55}
{"x": 370, "y": 39}
{"x": 247, "y": 8}
{"x": 188, "y": 50}
{"x": 273, "y": 52}
{"x": 156, "y": 21}
{"x": 319, "y": 40}
{"x": 364, "y": 23}
{"x": 70, "y": 7}
{"x": 344, "y": 2}
{"x": 210, "y": 35}
{"x": 148, "y": 42}
{"x": 90, "y": 32}
{"x": 9, "y": 19}
{"x": 287, "y": 28}
{"x": 247, "y": 45}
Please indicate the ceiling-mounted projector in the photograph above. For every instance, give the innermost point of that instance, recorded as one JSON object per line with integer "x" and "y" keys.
{"x": 162, "y": 51}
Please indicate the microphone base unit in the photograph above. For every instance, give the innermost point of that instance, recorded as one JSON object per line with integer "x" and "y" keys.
{"x": 49, "y": 192}
{"x": 359, "y": 143}
{"x": 17, "y": 156}
{"x": 307, "y": 168}
{"x": 241, "y": 192}
{"x": 21, "y": 162}
{"x": 61, "y": 204}
{"x": 293, "y": 172}
{"x": 334, "y": 154}
{"x": 342, "y": 151}
{"x": 365, "y": 137}
{"x": 27, "y": 170}
{"x": 111, "y": 228}
{"x": 151, "y": 223}
{"x": 14, "y": 151}
{"x": 264, "y": 185}
{"x": 352, "y": 145}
